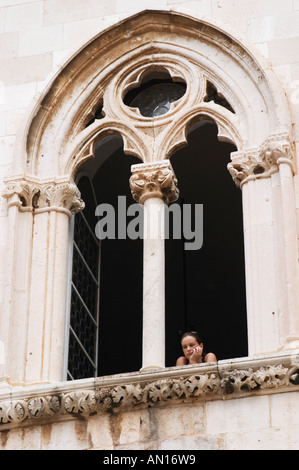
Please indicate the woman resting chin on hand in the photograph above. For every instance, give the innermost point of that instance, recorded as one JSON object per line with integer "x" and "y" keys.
{"x": 192, "y": 347}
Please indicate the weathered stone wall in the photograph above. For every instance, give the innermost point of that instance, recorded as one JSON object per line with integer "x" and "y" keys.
{"x": 236, "y": 404}
{"x": 263, "y": 423}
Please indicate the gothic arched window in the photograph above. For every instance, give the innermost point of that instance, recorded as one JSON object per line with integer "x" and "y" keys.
{"x": 203, "y": 291}
{"x": 220, "y": 81}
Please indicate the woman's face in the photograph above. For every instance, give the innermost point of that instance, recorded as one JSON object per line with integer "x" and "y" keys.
{"x": 188, "y": 345}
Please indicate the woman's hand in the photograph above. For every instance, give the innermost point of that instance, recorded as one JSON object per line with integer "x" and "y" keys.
{"x": 196, "y": 356}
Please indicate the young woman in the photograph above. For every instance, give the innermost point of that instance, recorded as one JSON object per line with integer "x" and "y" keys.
{"x": 192, "y": 347}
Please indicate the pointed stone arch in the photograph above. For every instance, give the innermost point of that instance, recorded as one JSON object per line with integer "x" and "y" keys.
{"x": 189, "y": 48}
{"x": 57, "y": 138}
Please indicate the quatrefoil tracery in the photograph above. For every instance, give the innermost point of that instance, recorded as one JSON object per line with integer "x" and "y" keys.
{"x": 186, "y": 94}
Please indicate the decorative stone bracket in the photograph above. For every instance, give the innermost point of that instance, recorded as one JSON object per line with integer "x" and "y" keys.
{"x": 261, "y": 162}
{"x": 45, "y": 196}
{"x": 208, "y": 382}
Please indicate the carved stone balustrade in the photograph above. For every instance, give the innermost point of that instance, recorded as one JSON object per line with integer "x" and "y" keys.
{"x": 225, "y": 380}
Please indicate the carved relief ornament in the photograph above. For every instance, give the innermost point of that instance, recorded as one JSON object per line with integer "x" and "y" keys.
{"x": 262, "y": 162}
{"x": 37, "y": 197}
{"x": 209, "y": 384}
{"x": 154, "y": 180}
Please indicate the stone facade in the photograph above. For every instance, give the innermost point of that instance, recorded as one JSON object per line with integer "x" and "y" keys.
{"x": 61, "y": 61}
{"x": 210, "y": 405}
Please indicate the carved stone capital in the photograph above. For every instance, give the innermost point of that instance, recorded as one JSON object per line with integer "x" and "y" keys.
{"x": 262, "y": 162}
{"x": 65, "y": 195}
{"x": 154, "y": 180}
{"x": 20, "y": 192}
{"x": 38, "y": 197}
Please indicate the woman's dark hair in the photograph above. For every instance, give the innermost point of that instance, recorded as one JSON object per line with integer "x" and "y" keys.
{"x": 194, "y": 334}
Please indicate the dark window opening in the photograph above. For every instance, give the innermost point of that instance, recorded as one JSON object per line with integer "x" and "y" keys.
{"x": 105, "y": 330}
{"x": 205, "y": 289}
{"x": 218, "y": 98}
{"x": 97, "y": 113}
{"x": 155, "y": 94}
{"x": 120, "y": 331}
{"x": 84, "y": 308}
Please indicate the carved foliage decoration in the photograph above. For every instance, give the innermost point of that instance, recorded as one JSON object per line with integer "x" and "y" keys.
{"x": 262, "y": 162}
{"x": 154, "y": 180}
{"x": 206, "y": 385}
{"x": 36, "y": 197}
{"x": 246, "y": 380}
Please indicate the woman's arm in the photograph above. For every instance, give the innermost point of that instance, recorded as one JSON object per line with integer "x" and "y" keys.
{"x": 210, "y": 357}
{"x": 181, "y": 361}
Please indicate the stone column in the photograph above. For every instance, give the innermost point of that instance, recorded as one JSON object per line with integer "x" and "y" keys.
{"x": 154, "y": 185}
{"x": 35, "y": 313}
{"x": 288, "y": 205}
{"x": 266, "y": 178}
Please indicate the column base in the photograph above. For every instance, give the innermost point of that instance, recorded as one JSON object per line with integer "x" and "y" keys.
{"x": 147, "y": 368}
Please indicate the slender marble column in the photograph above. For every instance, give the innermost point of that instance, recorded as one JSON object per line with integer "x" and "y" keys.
{"x": 39, "y": 215}
{"x": 269, "y": 212}
{"x": 290, "y": 250}
{"x": 154, "y": 185}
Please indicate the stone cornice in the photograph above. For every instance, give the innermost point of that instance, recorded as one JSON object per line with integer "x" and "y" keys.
{"x": 42, "y": 404}
{"x": 155, "y": 179}
{"x": 29, "y": 194}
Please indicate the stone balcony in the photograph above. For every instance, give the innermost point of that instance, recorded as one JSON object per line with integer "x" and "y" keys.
{"x": 42, "y": 404}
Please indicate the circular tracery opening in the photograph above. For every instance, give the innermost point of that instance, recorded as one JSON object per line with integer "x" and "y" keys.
{"x": 155, "y": 95}
{"x": 156, "y": 99}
